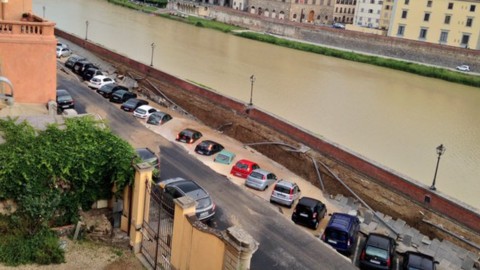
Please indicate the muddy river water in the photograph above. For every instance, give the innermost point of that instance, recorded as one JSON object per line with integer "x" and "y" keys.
{"x": 394, "y": 118}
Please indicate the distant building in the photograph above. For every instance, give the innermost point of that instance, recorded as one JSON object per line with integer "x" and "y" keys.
{"x": 368, "y": 13}
{"x": 344, "y": 11}
{"x": 27, "y": 53}
{"x": 386, "y": 14}
{"x": 449, "y": 22}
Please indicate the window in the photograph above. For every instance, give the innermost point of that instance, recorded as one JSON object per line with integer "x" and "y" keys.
{"x": 426, "y": 17}
{"x": 407, "y": 2}
{"x": 472, "y": 8}
{"x": 404, "y": 14}
{"x": 361, "y": 9}
{"x": 387, "y": 7}
{"x": 450, "y": 5}
{"x": 423, "y": 33}
{"x": 447, "y": 19}
{"x": 443, "y": 37}
{"x": 372, "y": 1}
{"x": 465, "y": 39}
{"x": 469, "y": 22}
{"x": 370, "y": 11}
{"x": 429, "y": 3}
{"x": 401, "y": 30}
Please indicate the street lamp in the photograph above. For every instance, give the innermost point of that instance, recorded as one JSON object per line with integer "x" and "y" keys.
{"x": 43, "y": 11}
{"x": 151, "y": 59}
{"x": 252, "y": 80}
{"x": 86, "y": 30}
{"x": 440, "y": 150}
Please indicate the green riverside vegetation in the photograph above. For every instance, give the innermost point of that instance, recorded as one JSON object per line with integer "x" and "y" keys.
{"x": 419, "y": 69}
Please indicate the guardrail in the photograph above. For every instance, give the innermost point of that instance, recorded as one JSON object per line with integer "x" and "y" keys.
{"x": 27, "y": 28}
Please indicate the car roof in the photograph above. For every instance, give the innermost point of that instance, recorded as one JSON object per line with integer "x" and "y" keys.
{"x": 159, "y": 113}
{"x": 246, "y": 161}
{"x": 378, "y": 240}
{"x": 286, "y": 183}
{"x": 189, "y": 130}
{"x": 308, "y": 201}
{"x": 341, "y": 221}
{"x": 101, "y": 77}
{"x": 120, "y": 92}
{"x": 262, "y": 171}
{"x": 208, "y": 142}
{"x": 62, "y": 92}
{"x": 188, "y": 187}
{"x": 145, "y": 153}
{"x": 419, "y": 260}
{"x": 145, "y": 107}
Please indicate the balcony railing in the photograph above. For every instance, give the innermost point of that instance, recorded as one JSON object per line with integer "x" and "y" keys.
{"x": 35, "y": 28}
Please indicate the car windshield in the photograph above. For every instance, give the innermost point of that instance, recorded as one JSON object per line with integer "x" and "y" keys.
{"x": 257, "y": 175}
{"x": 241, "y": 166}
{"x": 222, "y": 157}
{"x": 337, "y": 235}
{"x": 376, "y": 252}
{"x": 303, "y": 208}
{"x": 140, "y": 111}
{"x": 282, "y": 189}
{"x": 64, "y": 98}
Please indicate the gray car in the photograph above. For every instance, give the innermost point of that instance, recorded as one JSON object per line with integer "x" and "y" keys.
{"x": 285, "y": 193}
{"x": 260, "y": 179}
{"x": 179, "y": 187}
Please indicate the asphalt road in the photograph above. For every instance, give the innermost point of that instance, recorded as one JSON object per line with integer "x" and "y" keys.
{"x": 283, "y": 245}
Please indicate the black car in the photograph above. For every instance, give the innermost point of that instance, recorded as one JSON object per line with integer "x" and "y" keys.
{"x": 208, "y": 148}
{"x": 121, "y": 96}
{"x": 81, "y": 66}
{"x": 108, "y": 89}
{"x": 90, "y": 73}
{"x": 158, "y": 118}
{"x": 188, "y": 135}
{"x": 73, "y": 59}
{"x": 147, "y": 155}
{"x": 309, "y": 212}
{"x": 377, "y": 252}
{"x": 178, "y": 187}
{"x": 64, "y": 100}
{"x": 133, "y": 103}
{"x": 417, "y": 260}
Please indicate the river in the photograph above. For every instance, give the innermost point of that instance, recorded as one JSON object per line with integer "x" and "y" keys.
{"x": 394, "y": 118}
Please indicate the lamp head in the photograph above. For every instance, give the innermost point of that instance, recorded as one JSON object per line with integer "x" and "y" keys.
{"x": 441, "y": 149}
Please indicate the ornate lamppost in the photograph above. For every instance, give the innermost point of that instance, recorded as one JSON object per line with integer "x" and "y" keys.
{"x": 151, "y": 59}
{"x": 252, "y": 80}
{"x": 440, "y": 150}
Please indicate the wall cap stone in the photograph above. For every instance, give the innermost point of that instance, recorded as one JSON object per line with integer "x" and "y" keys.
{"x": 241, "y": 238}
{"x": 185, "y": 202}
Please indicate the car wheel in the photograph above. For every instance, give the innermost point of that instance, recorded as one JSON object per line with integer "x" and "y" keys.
{"x": 315, "y": 226}
{"x": 265, "y": 188}
{"x": 290, "y": 205}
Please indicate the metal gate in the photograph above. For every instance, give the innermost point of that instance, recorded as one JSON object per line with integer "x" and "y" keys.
{"x": 157, "y": 228}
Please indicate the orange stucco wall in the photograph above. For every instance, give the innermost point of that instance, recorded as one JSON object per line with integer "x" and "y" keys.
{"x": 13, "y": 9}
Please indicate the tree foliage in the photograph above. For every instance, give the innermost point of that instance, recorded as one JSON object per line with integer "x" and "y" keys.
{"x": 52, "y": 173}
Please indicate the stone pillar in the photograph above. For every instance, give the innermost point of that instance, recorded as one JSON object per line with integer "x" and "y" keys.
{"x": 239, "y": 248}
{"x": 143, "y": 176}
{"x": 182, "y": 233}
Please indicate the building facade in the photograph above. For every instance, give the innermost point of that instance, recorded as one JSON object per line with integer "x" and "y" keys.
{"x": 27, "y": 53}
{"x": 449, "y": 22}
{"x": 303, "y": 11}
{"x": 368, "y": 13}
{"x": 344, "y": 11}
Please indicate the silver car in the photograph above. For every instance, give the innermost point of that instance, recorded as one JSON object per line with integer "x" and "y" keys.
{"x": 260, "y": 179}
{"x": 285, "y": 193}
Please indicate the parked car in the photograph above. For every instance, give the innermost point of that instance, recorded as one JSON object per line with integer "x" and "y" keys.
{"x": 149, "y": 156}
{"x": 62, "y": 45}
{"x": 285, "y": 193}
{"x": 309, "y": 212}
{"x": 378, "y": 252}
{"x": 208, "y": 148}
{"x": 188, "y": 135}
{"x": 338, "y": 25}
{"x": 64, "y": 100}
{"x": 63, "y": 52}
{"x": 121, "y": 96}
{"x": 243, "y": 168}
{"x": 260, "y": 179}
{"x": 80, "y": 66}
{"x": 73, "y": 59}
{"x": 89, "y": 73}
{"x": 99, "y": 81}
{"x": 342, "y": 232}
{"x": 224, "y": 157}
{"x": 465, "y": 68}
{"x": 418, "y": 261}
{"x": 132, "y": 104}
{"x": 144, "y": 111}
{"x": 179, "y": 187}
{"x": 107, "y": 90}
{"x": 158, "y": 118}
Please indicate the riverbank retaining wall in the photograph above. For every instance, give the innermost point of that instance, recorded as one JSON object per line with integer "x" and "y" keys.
{"x": 386, "y": 191}
{"x": 408, "y": 50}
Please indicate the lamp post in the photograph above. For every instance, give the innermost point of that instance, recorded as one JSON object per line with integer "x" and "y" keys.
{"x": 252, "y": 80}
{"x": 86, "y": 30}
{"x": 440, "y": 150}
{"x": 151, "y": 59}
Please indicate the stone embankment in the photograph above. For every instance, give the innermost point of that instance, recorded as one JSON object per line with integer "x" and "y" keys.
{"x": 379, "y": 187}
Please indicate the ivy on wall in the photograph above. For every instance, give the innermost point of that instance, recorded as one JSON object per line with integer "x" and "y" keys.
{"x": 52, "y": 173}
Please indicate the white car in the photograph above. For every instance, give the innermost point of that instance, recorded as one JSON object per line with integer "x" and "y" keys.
{"x": 63, "y": 52}
{"x": 463, "y": 68}
{"x": 144, "y": 111}
{"x": 99, "y": 81}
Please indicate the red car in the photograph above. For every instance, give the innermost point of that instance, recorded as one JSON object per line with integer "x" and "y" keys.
{"x": 243, "y": 168}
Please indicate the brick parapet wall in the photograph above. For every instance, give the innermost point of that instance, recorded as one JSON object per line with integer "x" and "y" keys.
{"x": 458, "y": 212}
